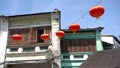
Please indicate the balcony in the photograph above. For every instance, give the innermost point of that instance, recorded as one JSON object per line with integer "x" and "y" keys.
{"x": 74, "y": 59}
{"x": 28, "y": 52}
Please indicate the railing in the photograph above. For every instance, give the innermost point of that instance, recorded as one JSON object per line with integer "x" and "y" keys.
{"x": 75, "y": 55}
{"x": 74, "y": 59}
{"x": 28, "y": 52}
{"x": 27, "y": 48}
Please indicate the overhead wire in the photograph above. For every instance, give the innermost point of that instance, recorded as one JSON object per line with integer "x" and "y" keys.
{"x": 87, "y": 12}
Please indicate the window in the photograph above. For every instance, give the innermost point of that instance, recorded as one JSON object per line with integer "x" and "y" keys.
{"x": 40, "y": 32}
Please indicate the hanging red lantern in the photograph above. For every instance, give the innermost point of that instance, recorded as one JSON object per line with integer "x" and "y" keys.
{"x": 96, "y": 11}
{"x": 60, "y": 34}
{"x": 74, "y": 27}
{"x": 16, "y": 37}
{"x": 44, "y": 37}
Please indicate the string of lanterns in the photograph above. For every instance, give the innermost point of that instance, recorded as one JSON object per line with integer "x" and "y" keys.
{"x": 95, "y": 11}
{"x": 82, "y": 16}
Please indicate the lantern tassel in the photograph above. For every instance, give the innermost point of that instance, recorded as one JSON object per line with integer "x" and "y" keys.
{"x": 16, "y": 42}
{"x": 97, "y": 18}
{"x": 74, "y": 32}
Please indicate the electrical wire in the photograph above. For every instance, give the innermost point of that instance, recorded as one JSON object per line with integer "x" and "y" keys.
{"x": 87, "y": 12}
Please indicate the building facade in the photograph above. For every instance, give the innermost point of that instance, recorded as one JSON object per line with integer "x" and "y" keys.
{"x": 110, "y": 41}
{"x": 75, "y": 48}
{"x": 32, "y": 52}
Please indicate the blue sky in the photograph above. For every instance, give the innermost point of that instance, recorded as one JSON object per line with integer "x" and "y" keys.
{"x": 71, "y": 10}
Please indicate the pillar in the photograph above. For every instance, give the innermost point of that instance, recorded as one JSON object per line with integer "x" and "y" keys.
{"x": 55, "y": 22}
{"x": 3, "y": 39}
{"x": 99, "y": 45}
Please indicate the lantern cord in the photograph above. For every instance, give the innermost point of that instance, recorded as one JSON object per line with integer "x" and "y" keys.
{"x": 87, "y": 12}
{"x": 99, "y": 2}
{"x": 81, "y": 17}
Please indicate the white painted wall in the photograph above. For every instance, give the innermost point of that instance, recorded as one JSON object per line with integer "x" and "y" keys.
{"x": 110, "y": 39}
{"x": 107, "y": 39}
{"x": 3, "y": 38}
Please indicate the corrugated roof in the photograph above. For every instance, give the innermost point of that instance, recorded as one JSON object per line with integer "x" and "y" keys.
{"x": 103, "y": 59}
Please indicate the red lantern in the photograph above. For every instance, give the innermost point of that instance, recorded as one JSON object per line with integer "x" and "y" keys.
{"x": 97, "y": 11}
{"x": 60, "y": 34}
{"x": 16, "y": 37}
{"x": 74, "y": 27}
{"x": 44, "y": 37}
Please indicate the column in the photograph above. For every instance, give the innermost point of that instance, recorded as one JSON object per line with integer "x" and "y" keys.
{"x": 3, "y": 39}
{"x": 99, "y": 45}
{"x": 55, "y": 22}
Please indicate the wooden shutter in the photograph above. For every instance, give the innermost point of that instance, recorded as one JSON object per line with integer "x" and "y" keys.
{"x": 33, "y": 35}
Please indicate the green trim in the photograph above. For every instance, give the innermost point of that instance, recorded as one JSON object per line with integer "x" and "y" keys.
{"x": 66, "y": 56}
{"x": 99, "y": 46}
{"x": 76, "y": 63}
{"x": 65, "y": 61}
{"x": 79, "y": 35}
{"x": 70, "y": 66}
{"x": 76, "y": 53}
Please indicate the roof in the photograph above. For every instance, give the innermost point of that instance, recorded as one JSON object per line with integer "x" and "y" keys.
{"x": 111, "y": 36}
{"x": 54, "y": 11}
{"x": 85, "y": 30}
{"x": 103, "y": 59}
{"x": 29, "y": 14}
